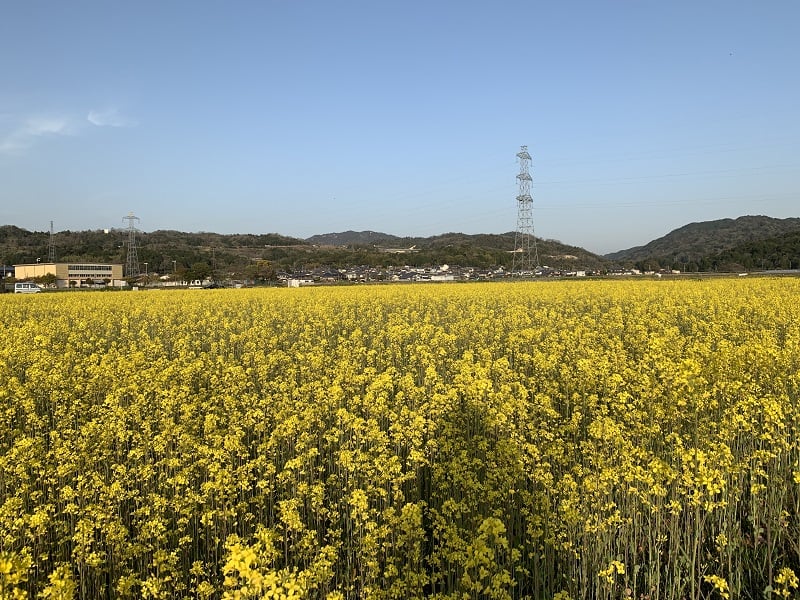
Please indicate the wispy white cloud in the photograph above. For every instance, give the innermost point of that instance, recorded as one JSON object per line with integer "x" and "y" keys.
{"x": 30, "y": 130}
{"x": 19, "y": 133}
{"x": 45, "y": 125}
{"x": 109, "y": 117}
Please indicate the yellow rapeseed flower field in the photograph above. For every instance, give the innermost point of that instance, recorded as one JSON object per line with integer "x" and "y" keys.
{"x": 577, "y": 439}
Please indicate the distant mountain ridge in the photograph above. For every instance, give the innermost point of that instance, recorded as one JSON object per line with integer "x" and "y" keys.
{"x": 350, "y": 238}
{"x": 463, "y": 247}
{"x": 695, "y": 241}
{"x": 744, "y": 243}
{"x": 166, "y": 251}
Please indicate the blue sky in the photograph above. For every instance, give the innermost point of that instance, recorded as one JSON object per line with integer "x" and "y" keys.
{"x": 303, "y": 117}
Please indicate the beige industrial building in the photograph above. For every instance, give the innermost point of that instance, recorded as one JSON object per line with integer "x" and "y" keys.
{"x": 66, "y": 273}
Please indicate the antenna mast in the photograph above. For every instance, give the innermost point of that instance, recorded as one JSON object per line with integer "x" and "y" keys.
{"x": 132, "y": 264}
{"x": 526, "y": 255}
{"x": 51, "y": 248}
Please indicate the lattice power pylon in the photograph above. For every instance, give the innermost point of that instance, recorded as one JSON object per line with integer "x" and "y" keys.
{"x": 526, "y": 255}
{"x": 132, "y": 264}
{"x": 51, "y": 246}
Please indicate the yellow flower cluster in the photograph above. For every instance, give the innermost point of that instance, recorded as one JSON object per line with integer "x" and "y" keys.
{"x": 614, "y": 568}
{"x": 787, "y": 582}
{"x": 499, "y": 440}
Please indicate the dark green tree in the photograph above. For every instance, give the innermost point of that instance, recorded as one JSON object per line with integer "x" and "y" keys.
{"x": 260, "y": 270}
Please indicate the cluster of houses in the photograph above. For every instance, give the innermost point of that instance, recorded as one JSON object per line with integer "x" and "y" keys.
{"x": 102, "y": 275}
{"x": 365, "y": 274}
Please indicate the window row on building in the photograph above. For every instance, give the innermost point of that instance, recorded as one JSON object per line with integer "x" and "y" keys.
{"x": 72, "y": 268}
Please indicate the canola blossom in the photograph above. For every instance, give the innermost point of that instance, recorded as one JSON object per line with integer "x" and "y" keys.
{"x": 570, "y": 440}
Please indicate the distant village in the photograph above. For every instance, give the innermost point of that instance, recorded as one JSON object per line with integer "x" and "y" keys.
{"x": 201, "y": 262}
{"x": 365, "y": 274}
{"x": 60, "y": 276}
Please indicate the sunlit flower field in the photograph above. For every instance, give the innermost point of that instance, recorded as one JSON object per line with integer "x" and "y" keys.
{"x": 575, "y": 439}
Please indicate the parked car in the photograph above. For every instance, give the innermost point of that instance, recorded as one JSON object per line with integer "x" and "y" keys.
{"x": 26, "y": 287}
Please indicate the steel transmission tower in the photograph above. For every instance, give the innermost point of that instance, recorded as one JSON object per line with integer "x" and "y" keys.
{"x": 51, "y": 248}
{"x": 526, "y": 255}
{"x": 132, "y": 264}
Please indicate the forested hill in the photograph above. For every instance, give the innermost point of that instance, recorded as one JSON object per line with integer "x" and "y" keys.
{"x": 779, "y": 252}
{"x": 745, "y": 243}
{"x": 158, "y": 248}
{"x": 701, "y": 242}
{"x": 480, "y": 250}
{"x": 165, "y": 251}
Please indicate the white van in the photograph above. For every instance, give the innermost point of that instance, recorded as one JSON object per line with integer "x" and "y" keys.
{"x": 26, "y": 287}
